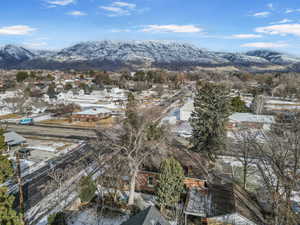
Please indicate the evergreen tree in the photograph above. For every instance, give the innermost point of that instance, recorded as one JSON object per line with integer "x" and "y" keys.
{"x": 170, "y": 183}
{"x": 8, "y": 216}
{"x": 154, "y": 131}
{"x": 6, "y": 169}
{"x": 21, "y": 76}
{"x": 238, "y": 105}
{"x": 131, "y": 111}
{"x": 51, "y": 90}
{"x": 209, "y": 118}
{"x": 87, "y": 189}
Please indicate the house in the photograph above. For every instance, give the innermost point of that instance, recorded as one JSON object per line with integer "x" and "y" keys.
{"x": 249, "y": 120}
{"x": 147, "y": 181}
{"x": 149, "y": 216}
{"x": 222, "y": 204}
{"x": 90, "y": 115}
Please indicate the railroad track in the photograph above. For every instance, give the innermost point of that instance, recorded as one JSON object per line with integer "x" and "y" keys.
{"x": 52, "y": 131}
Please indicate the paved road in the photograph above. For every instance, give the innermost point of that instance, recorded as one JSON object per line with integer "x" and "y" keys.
{"x": 52, "y": 131}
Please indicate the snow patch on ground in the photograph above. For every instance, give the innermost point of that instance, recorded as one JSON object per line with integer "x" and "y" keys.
{"x": 89, "y": 217}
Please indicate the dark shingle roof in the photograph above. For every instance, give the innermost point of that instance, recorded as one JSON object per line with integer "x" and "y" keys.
{"x": 225, "y": 199}
{"x": 196, "y": 203}
{"x": 149, "y": 216}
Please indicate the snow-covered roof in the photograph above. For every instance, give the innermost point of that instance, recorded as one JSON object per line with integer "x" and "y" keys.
{"x": 12, "y": 138}
{"x": 249, "y": 117}
{"x": 94, "y": 111}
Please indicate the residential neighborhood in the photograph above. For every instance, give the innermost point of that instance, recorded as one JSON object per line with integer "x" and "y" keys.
{"x": 149, "y": 112}
{"x": 86, "y": 148}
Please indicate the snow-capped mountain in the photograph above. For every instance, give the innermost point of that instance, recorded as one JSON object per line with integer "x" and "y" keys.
{"x": 138, "y": 51}
{"x": 114, "y": 55}
{"x": 11, "y": 55}
{"x": 274, "y": 57}
{"x": 239, "y": 59}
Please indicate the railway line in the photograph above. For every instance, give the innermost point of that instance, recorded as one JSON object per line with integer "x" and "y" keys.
{"x": 52, "y": 131}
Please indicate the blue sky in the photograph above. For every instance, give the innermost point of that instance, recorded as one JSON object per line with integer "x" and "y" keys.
{"x": 222, "y": 25}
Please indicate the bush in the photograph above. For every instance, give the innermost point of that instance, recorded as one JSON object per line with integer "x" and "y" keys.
{"x": 57, "y": 219}
{"x": 21, "y": 76}
{"x": 87, "y": 189}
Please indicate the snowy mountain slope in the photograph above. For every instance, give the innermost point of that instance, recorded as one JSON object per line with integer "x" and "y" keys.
{"x": 243, "y": 60}
{"x": 274, "y": 57}
{"x": 10, "y": 55}
{"x": 114, "y": 55}
{"x": 134, "y": 51}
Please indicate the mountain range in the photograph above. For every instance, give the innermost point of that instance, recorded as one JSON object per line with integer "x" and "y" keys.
{"x": 116, "y": 55}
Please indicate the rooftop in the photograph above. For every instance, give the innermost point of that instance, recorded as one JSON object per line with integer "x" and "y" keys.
{"x": 94, "y": 111}
{"x": 12, "y": 138}
{"x": 249, "y": 117}
{"x": 220, "y": 200}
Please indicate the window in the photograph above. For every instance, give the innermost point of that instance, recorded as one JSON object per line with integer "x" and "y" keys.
{"x": 150, "y": 181}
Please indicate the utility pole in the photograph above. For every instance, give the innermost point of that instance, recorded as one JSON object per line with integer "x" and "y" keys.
{"x": 19, "y": 179}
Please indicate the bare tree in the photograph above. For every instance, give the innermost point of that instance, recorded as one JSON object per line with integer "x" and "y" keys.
{"x": 131, "y": 141}
{"x": 57, "y": 179}
{"x": 279, "y": 166}
{"x": 245, "y": 151}
{"x": 18, "y": 103}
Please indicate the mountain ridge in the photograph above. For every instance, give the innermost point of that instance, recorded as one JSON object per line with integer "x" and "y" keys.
{"x": 115, "y": 55}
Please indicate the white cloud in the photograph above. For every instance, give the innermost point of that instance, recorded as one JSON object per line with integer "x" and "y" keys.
{"x": 292, "y": 10}
{"x": 77, "y": 13}
{"x": 172, "y": 28}
{"x": 119, "y": 8}
{"x": 116, "y": 11}
{"x": 16, "y": 30}
{"x": 261, "y": 14}
{"x": 283, "y": 21}
{"x": 61, "y": 2}
{"x": 124, "y": 4}
{"x": 265, "y": 45}
{"x": 280, "y": 29}
{"x": 245, "y": 36}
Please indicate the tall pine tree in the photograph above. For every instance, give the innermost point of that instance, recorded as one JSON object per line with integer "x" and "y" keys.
{"x": 8, "y": 216}
{"x": 209, "y": 118}
{"x": 170, "y": 183}
{"x": 6, "y": 169}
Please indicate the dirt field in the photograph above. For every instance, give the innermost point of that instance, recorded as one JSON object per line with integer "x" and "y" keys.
{"x": 104, "y": 122}
{"x": 10, "y": 116}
